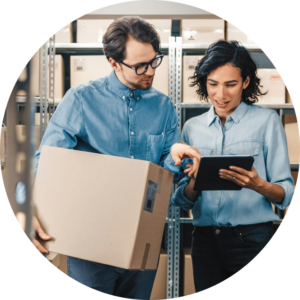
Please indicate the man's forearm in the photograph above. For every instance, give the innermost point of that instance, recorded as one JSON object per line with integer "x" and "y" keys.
{"x": 189, "y": 192}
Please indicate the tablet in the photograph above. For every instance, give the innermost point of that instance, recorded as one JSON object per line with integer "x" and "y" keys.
{"x": 208, "y": 178}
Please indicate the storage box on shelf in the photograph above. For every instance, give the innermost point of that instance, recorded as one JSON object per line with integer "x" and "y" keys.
{"x": 188, "y": 279}
{"x": 91, "y": 31}
{"x": 85, "y": 68}
{"x": 273, "y": 84}
{"x": 189, "y": 94}
{"x": 161, "y": 78}
{"x": 163, "y": 28}
{"x": 35, "y": 77}
{"x": 204, "y": 31}
{"x": 159, "y": 290}
{"x": 264, "y": 33}
{"x": 65, "y": 35}
{"x": 292, "y": 133}
{"x": 134, "y": 241}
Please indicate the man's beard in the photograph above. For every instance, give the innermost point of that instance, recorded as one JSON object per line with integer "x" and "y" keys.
{"x": 141, "y": 86}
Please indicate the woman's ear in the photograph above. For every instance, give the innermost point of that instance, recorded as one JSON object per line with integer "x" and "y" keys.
{"x": 246, "y": 82}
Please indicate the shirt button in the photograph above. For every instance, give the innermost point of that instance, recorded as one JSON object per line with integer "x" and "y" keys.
{"x": 131, "y": 109}
{"x": 132, "y": 133}
{"x": 217, "y": 231}
{"x": 132, "y": 157}
{"x": 138, "y": 98}
{"x": 123, "y": 97}
{"x": 131, "y": 94}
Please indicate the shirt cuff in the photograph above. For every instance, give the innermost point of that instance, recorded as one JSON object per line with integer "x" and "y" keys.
{"x": 178, "y": 198}
{"x": 169, "y": 164}
{"x": 289, "y": 192}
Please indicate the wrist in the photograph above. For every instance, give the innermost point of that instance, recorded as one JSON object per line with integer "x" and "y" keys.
{"x": 261, "y": 185}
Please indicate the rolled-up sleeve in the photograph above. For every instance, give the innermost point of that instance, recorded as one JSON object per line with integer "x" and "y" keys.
{"x": 277, "y": 159}
{"x": 178, "y": 198}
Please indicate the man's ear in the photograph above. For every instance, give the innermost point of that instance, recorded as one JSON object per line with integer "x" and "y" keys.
{"x": 116, "y": 66}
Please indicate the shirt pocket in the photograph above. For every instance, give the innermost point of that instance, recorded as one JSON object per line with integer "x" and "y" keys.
{"x": 155, "y": 146}
{"x": 205, "y": 152}
{"x": 245, "y": 148}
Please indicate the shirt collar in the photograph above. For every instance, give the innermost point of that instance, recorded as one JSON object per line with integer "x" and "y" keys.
{"x": 122, "y": 90}
{"x": 236, "y": 116}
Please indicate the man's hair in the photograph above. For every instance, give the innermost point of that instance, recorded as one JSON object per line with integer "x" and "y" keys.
{"x": 220, "y": 54}
{"x": 117, "y": 34}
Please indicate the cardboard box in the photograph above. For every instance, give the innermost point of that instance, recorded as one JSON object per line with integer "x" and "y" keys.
{"x": 189, "y": 94}
{"x": 292, "y": 93}
{"x": 124, "y": 201}
{"x": 86, "y": 68}
{"x": 91, "y": 31}
{"x": 163, "y": 27}
{"x": 159, "y": 290}
{"x": 204, "y": 31}
{"x": 161, "y": 77}
{"x": 233, "y": 33}
{"x": 188, "y": 280}
{"x": 34, "y": 76}
{"x": 3, "y": 145}
{"x": 59, "y": 85}
{"x": 56, "y": 276}
{"x": 64, "y": 34}
{"x": 292, "y": 134}
{"x": 272, "y": 82}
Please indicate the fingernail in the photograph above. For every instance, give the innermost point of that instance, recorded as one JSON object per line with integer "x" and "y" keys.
{"x": 230, "y": 167}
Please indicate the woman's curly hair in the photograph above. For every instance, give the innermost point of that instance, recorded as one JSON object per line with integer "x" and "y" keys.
{"x": 220, "y": 54}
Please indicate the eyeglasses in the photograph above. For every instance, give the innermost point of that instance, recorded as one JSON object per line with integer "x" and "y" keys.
{"x": 142, "y": 68}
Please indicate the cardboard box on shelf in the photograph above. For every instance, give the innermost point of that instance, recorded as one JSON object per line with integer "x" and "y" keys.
{"x": 292, "y": 93}
{"x": 124, "y": 200}
{"x": 271, "y": 82}
{"x": 163, "y": 28}
{"x": 292, "y": 212}
{"x": 159, "y": 290}
{"x": 65, "y": 35}
{"x": 161, "y": 78}
{"x": 188, "y": 280}
{"x": 3, "y": 143}
{"x": 86, "y": 68}
{"x": 35, "y": 77}
{"x": 91, "y": 31}
{"x": 295, "y": 176}
{"x": 292, "y": 134}
{"x": 233, "y": 33}
{"x": 206, "y": 31}
{"x": 189, "y": 94}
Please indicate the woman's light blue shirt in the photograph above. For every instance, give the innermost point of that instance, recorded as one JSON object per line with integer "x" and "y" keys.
{"x": 249, "y": 130}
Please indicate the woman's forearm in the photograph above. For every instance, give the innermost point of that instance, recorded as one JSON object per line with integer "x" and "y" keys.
{"x": 189, "y": 192}
{"x": 273, "y": 192}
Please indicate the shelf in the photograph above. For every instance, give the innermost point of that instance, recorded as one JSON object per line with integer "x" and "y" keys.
{"x": 294, "y": 166}
{"x": 250, "y": 47}
{"x": 21, "y": 100}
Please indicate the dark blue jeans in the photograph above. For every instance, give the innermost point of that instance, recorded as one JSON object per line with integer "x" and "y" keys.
{"x": 112, "y": 280}
{"x": 220, "y": 252}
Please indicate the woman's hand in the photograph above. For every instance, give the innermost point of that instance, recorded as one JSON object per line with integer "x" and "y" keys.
{"x": 242, "y": 177}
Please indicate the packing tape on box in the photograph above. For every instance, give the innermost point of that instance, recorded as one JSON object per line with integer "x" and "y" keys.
{"x": 160, "y": 177}
{"x": 145, "y": 258}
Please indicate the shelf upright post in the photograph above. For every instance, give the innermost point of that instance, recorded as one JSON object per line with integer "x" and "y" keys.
{"x": 170, "y": 223}
{"x": 18, "y": 178}
{"x": 43, "y": 89}
{"x": 176, "y": 246}
{"x": 51, "y": 76}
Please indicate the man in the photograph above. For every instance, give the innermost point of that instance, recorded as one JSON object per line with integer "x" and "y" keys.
{"x": 120, "y": 115}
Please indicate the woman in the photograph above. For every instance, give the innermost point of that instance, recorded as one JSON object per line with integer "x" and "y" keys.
{"x": 232, "y": 227}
